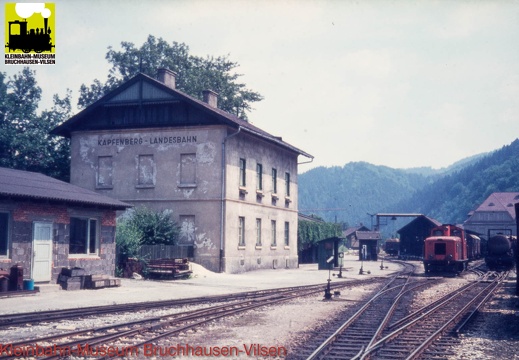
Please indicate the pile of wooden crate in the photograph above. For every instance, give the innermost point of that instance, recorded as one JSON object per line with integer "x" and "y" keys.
{"x": 77, "y": 279}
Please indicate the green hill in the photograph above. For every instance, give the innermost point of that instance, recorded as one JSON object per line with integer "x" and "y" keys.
{"x": 450, "y": 198}
{"x": 350, "y": 193}
{"x": 346, "y": 194}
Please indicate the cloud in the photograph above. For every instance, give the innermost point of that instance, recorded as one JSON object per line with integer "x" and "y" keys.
{"x": 26, "y": 10}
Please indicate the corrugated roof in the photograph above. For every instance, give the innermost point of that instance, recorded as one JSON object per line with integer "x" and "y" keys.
{"x": 227, "y": 118}
{"x": 31, "y": 185}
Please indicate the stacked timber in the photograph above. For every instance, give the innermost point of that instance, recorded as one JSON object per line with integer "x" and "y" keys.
{"x": 72, "y": 278}
{"x": 176, "y": 268}
{"x": 101, "y": 281}
{"x": 77, "y": 279}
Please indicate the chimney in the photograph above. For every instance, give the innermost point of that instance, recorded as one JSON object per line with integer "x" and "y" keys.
{"x": 167, "y": 77}
{"x": 211, "y": 98}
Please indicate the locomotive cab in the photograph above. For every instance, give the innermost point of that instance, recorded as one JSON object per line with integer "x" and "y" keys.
{"x": 445, "y": 250}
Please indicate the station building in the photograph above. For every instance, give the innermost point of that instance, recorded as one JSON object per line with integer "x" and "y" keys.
{"x": 231, "y": 186}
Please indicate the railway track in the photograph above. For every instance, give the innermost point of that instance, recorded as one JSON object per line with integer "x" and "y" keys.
{"x": 379, "y": 330}
{"x": 7, "y": 320}
{"x": 138, "y": 333}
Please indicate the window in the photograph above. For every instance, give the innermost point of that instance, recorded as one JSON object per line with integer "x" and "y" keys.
{"x": 83, "y": 236}
{"x": 4, "y": 233}
{"x": 287, "y": 184}
{"x": 104, "y": 172}
{"x": 287, "y": 234}
{"x": 440, "y": 248}
{"x": 273, "y": 241}
{"x": 274, "y": 181}
{"x": 259, "y": 176}
{"x": 242, "y": 172}
{"x": 258, "y": 232}
{"x": 187, "y": 169}
{"x": 146, "y": 175}
{"x": 241, "y": 231}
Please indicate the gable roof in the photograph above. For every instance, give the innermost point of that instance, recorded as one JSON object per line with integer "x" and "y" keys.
{"x": 142, "y": 89}
{"x": 351, "y": 230}
{"x": 500, "y": 202}
{"x": 31, "y": 185}
{"x": 422, "y": 218}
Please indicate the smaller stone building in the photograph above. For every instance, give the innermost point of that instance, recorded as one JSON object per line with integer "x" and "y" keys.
{"x": 47, "y": 224}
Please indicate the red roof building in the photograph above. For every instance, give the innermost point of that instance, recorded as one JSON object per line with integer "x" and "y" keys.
{"x": 495, "y": 214}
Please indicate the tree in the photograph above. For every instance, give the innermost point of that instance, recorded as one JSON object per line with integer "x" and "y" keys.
{"x": 194, "y": 74}
{"x": 25, "y": 143}
{"x": 143, "y": 226}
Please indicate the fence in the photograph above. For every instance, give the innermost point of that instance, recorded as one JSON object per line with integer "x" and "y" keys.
{"x": 166, "y": 251}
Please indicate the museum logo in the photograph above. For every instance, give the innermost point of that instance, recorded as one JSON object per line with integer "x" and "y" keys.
{"x": 30, "y": 34}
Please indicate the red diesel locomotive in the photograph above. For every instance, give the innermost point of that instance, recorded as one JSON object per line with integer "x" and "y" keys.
{"x": 449, "y": 249}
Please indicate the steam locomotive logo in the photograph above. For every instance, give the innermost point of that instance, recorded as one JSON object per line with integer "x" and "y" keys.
{"x": 29, "y": 27}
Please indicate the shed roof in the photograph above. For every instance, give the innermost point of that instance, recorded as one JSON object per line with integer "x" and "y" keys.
{"x": 156, "y": 92}
{"x": 31, "y": 185}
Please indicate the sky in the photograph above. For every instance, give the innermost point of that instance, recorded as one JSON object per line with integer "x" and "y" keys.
{"x": 395, "y": 83}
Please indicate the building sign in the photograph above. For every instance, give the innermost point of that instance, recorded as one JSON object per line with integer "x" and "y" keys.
{"x": 151, "y": 140}
{"x": 30, "y": 34}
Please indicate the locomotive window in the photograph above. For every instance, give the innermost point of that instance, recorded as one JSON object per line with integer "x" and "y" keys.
{"x": 437, "y": 232}
{"x": 14, "y": 29}
{"x": 440, "y": 249}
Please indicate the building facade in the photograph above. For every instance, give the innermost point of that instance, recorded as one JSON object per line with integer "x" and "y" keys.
{"x": 47, "y": 224}
{"x": 231, "y": 186}
{"x": 495, "y": 214}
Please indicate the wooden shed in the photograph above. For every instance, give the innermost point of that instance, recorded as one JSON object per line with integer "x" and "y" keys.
{"x": 368, "y": 244}
{"x": 412, "y": 236}
{"x": 329, "y": 248}
{"x": 349, "y": 234}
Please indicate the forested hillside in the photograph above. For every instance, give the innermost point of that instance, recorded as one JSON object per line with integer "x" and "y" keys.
{"x": 450, "y": 198}
{"x": 347, "y": 194}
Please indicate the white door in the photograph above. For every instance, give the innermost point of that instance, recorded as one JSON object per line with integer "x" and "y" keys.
{"x": 42, "y": 251}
